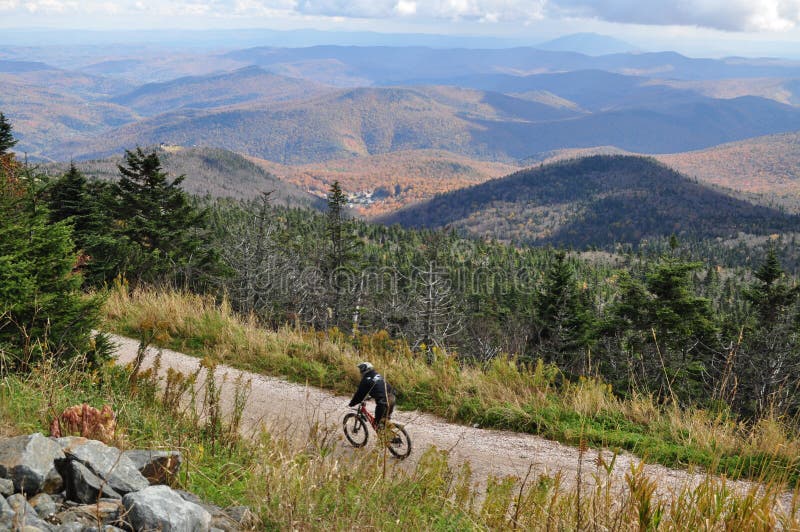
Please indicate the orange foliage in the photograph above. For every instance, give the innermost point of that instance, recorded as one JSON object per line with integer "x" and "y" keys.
{"x": 86, "y": 421}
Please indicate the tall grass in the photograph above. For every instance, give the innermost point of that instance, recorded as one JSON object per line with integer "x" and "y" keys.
{"x": 325, "y": 485}
{"x": 504, "y": 393}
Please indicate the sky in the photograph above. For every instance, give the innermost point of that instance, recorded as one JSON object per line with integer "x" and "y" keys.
{"x": 746, "y": 27}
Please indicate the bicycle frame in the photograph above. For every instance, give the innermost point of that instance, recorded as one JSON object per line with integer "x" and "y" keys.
{"x": 362, "y": 409}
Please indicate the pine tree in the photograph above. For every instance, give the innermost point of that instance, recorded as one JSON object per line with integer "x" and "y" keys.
{"x": 7, "y": 140}
{"x": 69, "y": 199}
{"x": 340, "y": 260}
{"x": 768, "y": 362}
{"x": 563, "y": 321}
{"x": 161, "y": 227}
{"x": 42, "y": 310}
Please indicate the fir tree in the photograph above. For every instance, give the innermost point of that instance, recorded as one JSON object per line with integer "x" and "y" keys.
{"x": 42, "y": 310}
{"x": 339, "y": 267}
{"x": 7, "y": 140}
{"x": 563, "y": 321}
{"x": 161, "y": 227}
{"x": 69, "y": 200}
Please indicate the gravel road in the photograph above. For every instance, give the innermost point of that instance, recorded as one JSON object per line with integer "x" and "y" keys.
{"x": 290, "y": 409}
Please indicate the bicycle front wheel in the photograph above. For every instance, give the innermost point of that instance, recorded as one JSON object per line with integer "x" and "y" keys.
{"x": 400, "y": 443}
{"x": 355, "y": 430}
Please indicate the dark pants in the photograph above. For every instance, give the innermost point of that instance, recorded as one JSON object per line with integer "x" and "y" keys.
{"x": 382, "y": 409}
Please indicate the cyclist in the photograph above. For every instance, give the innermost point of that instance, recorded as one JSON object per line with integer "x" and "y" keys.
{"x": 374, "y": 385}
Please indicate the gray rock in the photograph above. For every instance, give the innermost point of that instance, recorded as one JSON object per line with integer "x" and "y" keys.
{"x": 189, "y": 496}
{"x": 25, "y": 515}
{"x": 53, "y": 483}
{"x": 102, "y": 513}
{"x": 223, "y": 522}
{"x": 44, "y": 505}
{"x": 29, "y": 462}
{"x": 6, "y": 514}
{"x": 242, "y": 515}
{"x": 161, "y": 508}
{"x": 20, "y": 504}
{"x": 84, "y": 486}
{"x": 6, "y": 487}
{"x": 108, "y": 463}
{"x": 158, "y": 467}
{"x": 72, "y": 526}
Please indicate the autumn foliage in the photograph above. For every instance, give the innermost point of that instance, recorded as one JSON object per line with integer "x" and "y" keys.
{"x": 86, "y": 421}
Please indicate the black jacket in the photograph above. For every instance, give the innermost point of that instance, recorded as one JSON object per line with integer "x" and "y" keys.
{"x": 375, "y": 385}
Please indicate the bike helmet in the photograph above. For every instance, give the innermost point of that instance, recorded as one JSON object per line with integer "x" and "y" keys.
{"x": 364, "y": 367}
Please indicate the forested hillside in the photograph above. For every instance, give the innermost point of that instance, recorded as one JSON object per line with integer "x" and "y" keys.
{"x": 212, "y": 171}
{"x": 593, "y": 201}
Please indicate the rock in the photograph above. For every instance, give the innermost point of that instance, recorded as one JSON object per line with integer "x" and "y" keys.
{"x": 161, "y": 508}
{"x": 53, "y": 483}
{"x": 108, "y": 463}
{"x": 6, "y": 487}
{"x": 242, "y": 515}
{"x": 84, "y": 486}
{"x": 72, "y": 526}
{"x": 20, "y": 504}
{"x": 158, "y": 467}
{"x": 28, "y": 462}
{"x": 44, "y": 505}
{"x": 222, "y": 521}
{"x": 6, "y": 514}
{"x": 104, "y": 512}
{"x": 25, "y": 515}
{"x": 189, "y": 496}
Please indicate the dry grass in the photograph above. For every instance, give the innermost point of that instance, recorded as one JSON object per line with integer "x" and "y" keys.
{"x": 504, "y": 394}
{"x": 323, "y": 485}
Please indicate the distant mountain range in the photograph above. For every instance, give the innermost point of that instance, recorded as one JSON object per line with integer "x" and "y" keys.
{"x": 315, "y": 105}
{"x": 595, "y": 201}
{"x": 589, "y": 44}
{"x": 480, "y": 124}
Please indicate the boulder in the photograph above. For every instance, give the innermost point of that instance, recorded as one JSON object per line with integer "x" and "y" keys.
{"x": 6, "y": 514}
{"x": 103, "y": 512}
{"x": 6, "y": 487}
{"x": 107, "y": 463}
{"x": 243, "y": 516}
{"x": 25, "y": 515}
{"x": 158, "y": 467}
{"x": 161, "y": 508}
{"x": 84, "y": 486}
{"x": 28, "y": 462}
{"x": 44, "y": 505}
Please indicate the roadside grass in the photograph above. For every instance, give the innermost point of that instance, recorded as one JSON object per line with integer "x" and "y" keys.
{"x": 320, "y": 484}
{"x": 504, "y": 393}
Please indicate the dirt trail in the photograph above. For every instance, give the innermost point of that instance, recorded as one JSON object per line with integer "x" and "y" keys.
{"x": 290, "y": 409}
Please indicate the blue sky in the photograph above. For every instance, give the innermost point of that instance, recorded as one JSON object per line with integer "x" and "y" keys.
{"x": 748, "y": 27}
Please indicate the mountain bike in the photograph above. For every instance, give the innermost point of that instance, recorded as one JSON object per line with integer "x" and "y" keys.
{"x": 394, "y": 435}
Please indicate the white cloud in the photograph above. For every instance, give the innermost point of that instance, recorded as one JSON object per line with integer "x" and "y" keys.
{"x": 729, "y": 15}
{"x": 406, "y": 7}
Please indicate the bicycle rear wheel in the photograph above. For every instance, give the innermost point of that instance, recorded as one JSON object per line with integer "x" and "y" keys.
{"x": 400, "y": 443}
{"x": 355, "y": 430}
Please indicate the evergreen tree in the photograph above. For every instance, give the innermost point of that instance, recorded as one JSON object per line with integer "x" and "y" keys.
{"x": 162, "y": 230}
{"x": 7, "y": 140}
{"x": 69, "y": 200}
{"x": 767, "y": 365}
{"x": 340, "y": 261}
{"x": 41, "y": 308}
{"x": 563, "y": 321}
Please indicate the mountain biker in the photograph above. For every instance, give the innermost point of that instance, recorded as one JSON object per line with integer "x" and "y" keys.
{"x": 373, "y": 384}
